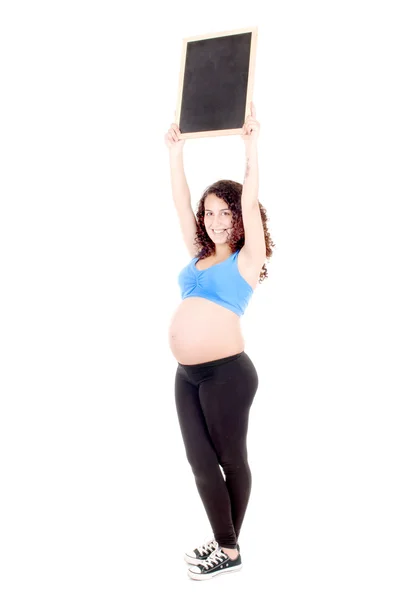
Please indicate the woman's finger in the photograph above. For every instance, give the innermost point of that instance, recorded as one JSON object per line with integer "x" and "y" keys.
{"x": 253, "y": 125}
{"x": 175, "y": 127}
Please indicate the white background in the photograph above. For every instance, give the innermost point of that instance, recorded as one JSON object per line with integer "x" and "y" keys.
{"x": 98, "y": 500}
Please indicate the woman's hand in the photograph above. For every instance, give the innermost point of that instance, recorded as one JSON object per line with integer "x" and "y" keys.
{"x": 250, "y": 130}
{"x": 172, "y": 139}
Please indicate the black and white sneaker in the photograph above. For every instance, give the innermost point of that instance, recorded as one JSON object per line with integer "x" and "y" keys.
{"x": 201, "y": 553}
{"x": 217, "y": 563}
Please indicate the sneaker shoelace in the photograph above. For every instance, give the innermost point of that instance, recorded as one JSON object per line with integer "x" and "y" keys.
{"x": 217, "y": 557}
{"x": 213, "y": 545}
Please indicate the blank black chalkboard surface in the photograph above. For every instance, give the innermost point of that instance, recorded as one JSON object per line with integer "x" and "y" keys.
{"x": 216, "y": 83}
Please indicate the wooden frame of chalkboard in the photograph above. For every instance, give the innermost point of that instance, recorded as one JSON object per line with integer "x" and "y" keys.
{"x": 216, "y": 83}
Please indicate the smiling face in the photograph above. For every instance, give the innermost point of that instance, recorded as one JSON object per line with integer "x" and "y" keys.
{"x": 217, "y": 219}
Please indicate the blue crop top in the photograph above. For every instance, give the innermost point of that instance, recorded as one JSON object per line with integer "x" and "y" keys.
{"x": 221, "y": 283}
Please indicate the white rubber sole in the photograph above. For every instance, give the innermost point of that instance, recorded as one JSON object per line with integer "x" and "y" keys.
{"x": 201, "y": 576}
{"x": 193, "y": 561}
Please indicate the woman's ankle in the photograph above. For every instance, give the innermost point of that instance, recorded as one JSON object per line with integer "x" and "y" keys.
{"x": 231, "y": 552}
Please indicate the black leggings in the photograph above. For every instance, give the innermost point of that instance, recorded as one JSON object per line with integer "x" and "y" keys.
{"x": 213, "y": 401}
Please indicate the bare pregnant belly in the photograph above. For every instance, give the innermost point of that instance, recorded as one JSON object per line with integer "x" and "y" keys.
{"x": 202, "y": 330}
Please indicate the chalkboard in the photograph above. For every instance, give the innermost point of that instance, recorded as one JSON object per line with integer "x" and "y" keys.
{"x": 216, "y": 83}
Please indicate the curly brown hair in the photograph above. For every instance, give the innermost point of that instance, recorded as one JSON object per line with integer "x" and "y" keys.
{"x": 231, "y": 193}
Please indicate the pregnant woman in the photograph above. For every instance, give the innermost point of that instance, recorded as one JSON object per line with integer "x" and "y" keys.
{"x": 216, "y": 381}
